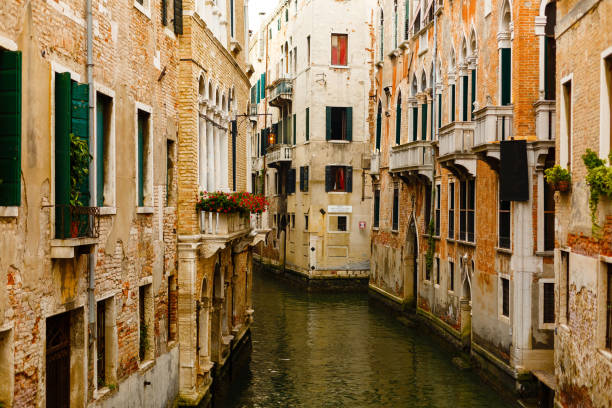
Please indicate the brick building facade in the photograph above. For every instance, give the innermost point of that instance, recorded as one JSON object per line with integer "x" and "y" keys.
{"x": 455, "y": 85}
{"x": 583, "y": 258}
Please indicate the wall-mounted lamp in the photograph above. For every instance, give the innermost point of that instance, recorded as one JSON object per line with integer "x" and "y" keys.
{"x": 322, "y": 211}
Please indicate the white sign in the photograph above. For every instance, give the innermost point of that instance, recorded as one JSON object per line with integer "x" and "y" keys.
{"x": 339, "y": 209}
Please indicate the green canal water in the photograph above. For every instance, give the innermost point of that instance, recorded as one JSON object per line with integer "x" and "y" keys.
{"x": 343, "y": 350}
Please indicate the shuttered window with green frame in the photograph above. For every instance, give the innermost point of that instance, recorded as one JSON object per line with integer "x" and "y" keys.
{"x": 10, "y": 131}
{"x": 293, "y": 120}
{"x": 398, "y": 119}
{"x": 378, "y": 126}
{"x": 464, "y": 98}
{"x": 143, "y": 124}
{"x": 452, "y": 103}
{"x": 506, "y": 75}
{"x": 415, "y": 124}
{"x": 307, "y": 124}
{"x": 424, "y": 121}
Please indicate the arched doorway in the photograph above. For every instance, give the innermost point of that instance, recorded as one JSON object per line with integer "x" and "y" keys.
{"x": 217, "y": 311}
{"x": 202, "y": 323}
{"x": 466, "y": 303}
{"x": 411, "y": 266}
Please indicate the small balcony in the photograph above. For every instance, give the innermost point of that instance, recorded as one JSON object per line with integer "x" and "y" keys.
{"x": 256, "y": 164}
{"x": 412, "y": 159}
{"x": 278, "y": 154}
{"x": 545, "y": 120}
{"x": 253, "y": 111}
{"x": 375, "y": 164}
{"x": 493, "y": 125}
{"x": 75, "y": 226}
{"x": 455, "y": 148}
{"x": 214, "y": 225}
{"x": 281, "y": 92}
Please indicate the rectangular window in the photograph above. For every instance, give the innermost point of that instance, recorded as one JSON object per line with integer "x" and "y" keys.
{"x": 339, "y": 179}
{"x": 339, "y": 123}
{"x": 145, "y": 316}
{"x": 232, "y": 27}
{"x": 437, "y": 201}
{"x": 144, "y": 167}
{"x": 505, "y": 287}
{"x": 10, "y": 131}
{"x": 566, "y": 125}
{"x": 308, "y": 50}
{"x": 451, "y": 210}
{"x": 293, "y": 130}
{"x": 293, "y": 221}
{"x": 451, "y": 275}
{"x": 395, "y": 221}
{"x": 504, "y": 224}
{"x": 170, "y": 191}
{"x": 172, "y": 308}
{"x": 424, "y": 121}
{"x": 608, "y": 99}
{"x": 341, "y": 223}
{"x": 104, "y": 155}
{"x": 101, "y": 343}
{"x": 428, "y": 273}
{"x": 339, "y": 44}
{"x": 548, "y": 310}
{"x": 506, "y": 75}
{"x": 338, "y": 223}
{"x": 549, "y": 218}
{"x": 291, "y": 180}
{"x": 305, "y": 222}
{"x": 376, "y": 222}
{"x": 565, "y": 270}
{"x": 415, "y": 123}
{"x": 452, "y": 103}
{"x": 609, "y": 308}
{"x": 304, "y": 170}
{"x": 437, "y": 271}
{"x": 307, "y": 124}
{"x": 439, "y": 111}
{"x": 464, "y": 98}
{"x": 467, "y": 202}
{"x": 473, "y": 93}
{"x": 428, "y": 208}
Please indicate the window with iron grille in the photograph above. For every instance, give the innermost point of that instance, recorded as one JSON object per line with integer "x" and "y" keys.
{"x": 548, "y": 310}
{"x": 504, "y": 224}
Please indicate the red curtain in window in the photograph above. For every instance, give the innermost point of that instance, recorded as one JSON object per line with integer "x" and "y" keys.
{"x": 339, "y": 182}
{"x": 342, "y": 40}
{"x": 338, "y": 49}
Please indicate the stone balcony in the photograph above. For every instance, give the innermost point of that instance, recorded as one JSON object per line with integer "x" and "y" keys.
{"x": 455, "y": 148}
{"x": 257, "y": 164}
{"x": 412, "y": 159}
{"x": 493, "y": 125}
{"x": 281, "y": 92}
{"x": 278, "y": 154}
{"x": 545, "y": 120}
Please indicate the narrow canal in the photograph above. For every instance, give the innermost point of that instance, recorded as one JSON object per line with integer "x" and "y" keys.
{"x": 341, "y": 350}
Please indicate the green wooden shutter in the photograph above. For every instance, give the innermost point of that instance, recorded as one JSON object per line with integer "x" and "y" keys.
{"x": 328, "y": 129}
{"x": 306, "y": 176}
{"x": 452, "y": 107}
{"x": 164, "y": 12}
{"x": 307, "y": 124}
{"x": 398, "y": 120}
{"x": 263, "y": 85}
{"x": 294, "y": 135}
{"x": 80, "y": 129}
{"x": 506, "y": 75}
{"x": 378, "y": 126}
{"x": 464, "y": 98}
{"x": 439, "y": 111}
{"x": 178, "y": 16}
{"x": 349, "y": 123}
{"x": 415, "y": 124}
{"x": 100, "y": 136}
{"x": 349, "y": 179}
{"x": 432, "y": 120}
{"x": 62, "y": 154}
{"x": 10, "y": 131}
{"x": 473, "y": 92}
{"x": 328, "y": 178}
{"x": 141, "y": 129}
{"x": 302, "y": 178}
{"x": 424, "y": 121}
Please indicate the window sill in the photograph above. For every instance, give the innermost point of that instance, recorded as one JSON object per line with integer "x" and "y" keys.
{"x": 169, "y": 33}
{"x": 451, "y": 240}
{"x": 394, "y": 231}
{"x": 545, "y": 253}
{"x": 505, "y": 319}
{"x": 506, "y": 251}
{"x": 9, "y": 212}
{"x": 339, "y": 66}
{"x": 606, "y": 354}
{"x": 546, "y": 326}
{"x": 339, "y": 141}
{"x": 142, "y": 9}
{"x": 467, "y": 243}
{"x": 450, "y": 292}
{"x": 144, "y": 210}
{"x": 145, "y": 365}
{"x": 437, "y": 286}
{"x": 427, "y": 282}
{"x": 337, "y": 192}
{"x": 108, "y": 210}
{"x": 376, "y": 229}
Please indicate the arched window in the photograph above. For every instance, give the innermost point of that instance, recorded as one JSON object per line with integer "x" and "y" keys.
{"x": 378, "y": 125}
{"x": 415, "y": 111}
{"x": 398, "y": 119}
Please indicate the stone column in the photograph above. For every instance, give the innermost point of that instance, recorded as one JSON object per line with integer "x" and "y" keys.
{"x": 210, "y": 141}
{"x": 540, "y": 26}
{"x": 224, "y": 156}
{"x": 203, "y": 159}
{"x": 218, "y": 154}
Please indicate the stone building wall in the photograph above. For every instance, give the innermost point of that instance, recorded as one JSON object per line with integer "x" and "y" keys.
{"x": 584, "y": 255}
{"x": 135, "y": 61}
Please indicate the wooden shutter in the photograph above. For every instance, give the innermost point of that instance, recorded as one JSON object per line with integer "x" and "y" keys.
{"x": 306, "y": 176}
{"x": 291, "y": 181}
{"x": 307, "y": 124}
{"x": 349, "y": 179}
{"x": 62, "y": 154}
{"x": 415, "y": 124}
{"x": 506, "y": 75}
{"x": 328, "y": 178}
{"x": 349, "y": 123}
{"x": 263, "y": 85}
{"x": 464, "y": 98}
{"x": 328, "y": 129}
{"x": 164, "y": 12}
{"x": 452, "y": 109}
{"x": 234, "y": 132}
{"x": 100, "y": 116}
{"x": 178, "y": 16}
{"x": 10, "y": 131}
{"x": 398, "y": 120}
{"x": 80, "y": 128}
{"x": 473, "y": 92}
{"x": 258, "y": 91}
{"x": 301, "y": 178}
{"x": 439, "y": 111}
{"x": 424, "y": 121}
{"x": 378, "y": 126}
{"x": 293, "y": 122}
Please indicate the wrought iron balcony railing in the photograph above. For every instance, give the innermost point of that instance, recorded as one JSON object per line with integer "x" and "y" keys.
{"x": 76, "y": 222}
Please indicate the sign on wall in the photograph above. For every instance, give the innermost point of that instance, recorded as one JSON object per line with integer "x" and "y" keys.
{"x": 339, "y": 209}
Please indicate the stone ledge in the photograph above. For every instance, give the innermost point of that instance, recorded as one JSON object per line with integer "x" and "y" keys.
{"x": 9, "y": 212}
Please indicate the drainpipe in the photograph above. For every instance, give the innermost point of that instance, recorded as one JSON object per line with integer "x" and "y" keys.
{"x": 92, "y": 173}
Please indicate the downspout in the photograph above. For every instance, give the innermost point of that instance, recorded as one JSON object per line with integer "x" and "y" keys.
{"x": 92, "y": 173}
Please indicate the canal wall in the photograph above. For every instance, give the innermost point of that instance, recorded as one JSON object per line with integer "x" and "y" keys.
{"x": 332, "y": 281}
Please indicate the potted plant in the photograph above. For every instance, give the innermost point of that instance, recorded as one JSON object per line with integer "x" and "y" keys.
{"x": 558, "y": 178}
{"x": 599, "y": 180}
{"x": 79, "y": 171}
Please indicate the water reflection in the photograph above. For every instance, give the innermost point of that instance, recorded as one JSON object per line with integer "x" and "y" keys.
{"x": 337, "y": 350}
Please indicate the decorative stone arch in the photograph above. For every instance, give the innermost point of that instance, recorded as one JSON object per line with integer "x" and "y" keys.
{"x": 411, "y": 262}
{"x": 473, "y": 42}
{"x": 545, "y": 31}
{"x": 210, "y": 91}
{"x": 217, "y": 101}
{"x": 423, "y": 80}
{"x": 464, "y": 51}
{"x": 414, "y": 87}
{"x": 505, "y": 16}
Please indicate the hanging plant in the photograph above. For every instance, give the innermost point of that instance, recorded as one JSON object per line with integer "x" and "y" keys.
{"x": 599, "y": 180}
{"x": 79, "y": 168}
{"x": 558, "y": 178}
